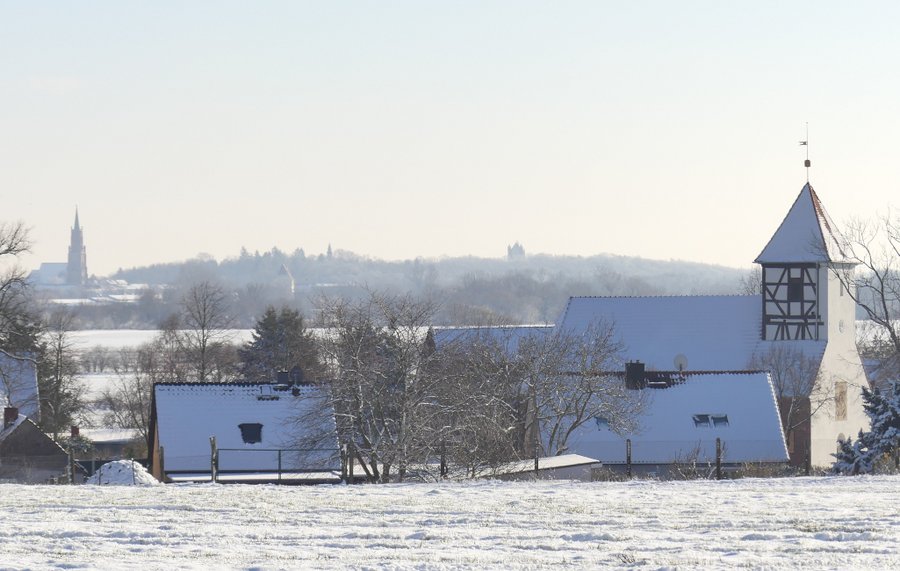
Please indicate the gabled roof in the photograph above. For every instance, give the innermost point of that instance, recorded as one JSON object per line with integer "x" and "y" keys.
{"x": 686, "y": 418}
{"x": 188, "y": 414}
{"x": 507, "y": 336}
{"x": 712, "y": 333}
{"x": 806, "y": 235}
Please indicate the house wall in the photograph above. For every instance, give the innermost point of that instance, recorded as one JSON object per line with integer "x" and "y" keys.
{"x": 29, "y": 456}
{"x": 797, "y": 439}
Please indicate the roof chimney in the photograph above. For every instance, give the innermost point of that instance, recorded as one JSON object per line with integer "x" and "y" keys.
{"x": 634, "y": 375}
{"x": 10, "y": 415}
{"x": 75, "y": 432}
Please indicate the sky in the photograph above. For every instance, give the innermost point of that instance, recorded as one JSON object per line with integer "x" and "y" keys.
{"x": 401, "y": 129}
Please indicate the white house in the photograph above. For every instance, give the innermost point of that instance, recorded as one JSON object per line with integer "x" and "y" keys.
{"x": 263, "y": 432}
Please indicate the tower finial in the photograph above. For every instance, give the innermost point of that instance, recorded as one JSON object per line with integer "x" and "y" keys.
{"x": 805, "y": 143}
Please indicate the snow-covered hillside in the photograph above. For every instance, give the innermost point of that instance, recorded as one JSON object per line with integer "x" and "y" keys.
{"x": 809, "y": 523}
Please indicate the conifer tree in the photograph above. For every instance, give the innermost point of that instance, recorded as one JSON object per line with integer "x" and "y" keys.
{"x": 280, "y": 342}
{"x": 879, "y": 445}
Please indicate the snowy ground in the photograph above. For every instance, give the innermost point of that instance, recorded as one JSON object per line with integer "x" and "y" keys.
{"x": 811, "y": 523}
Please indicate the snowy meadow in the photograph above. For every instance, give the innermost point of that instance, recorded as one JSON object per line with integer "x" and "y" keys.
{"x": 811, "y": 523}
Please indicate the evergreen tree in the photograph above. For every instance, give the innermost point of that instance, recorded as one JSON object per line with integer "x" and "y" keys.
{"x": 881, "y": 442}
{"x": 280, "y": 342}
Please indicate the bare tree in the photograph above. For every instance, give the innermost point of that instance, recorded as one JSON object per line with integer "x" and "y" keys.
{"x": 751, "y": 282}
{"x": 126, "y": 405}
{"x": 379, "y": 390}
{"x": 61, "y": 396}
{"x": 799, "y": 387}
{"x": 871, "y": 277}
{"x": 514, "y": 393}
{"x": 14, "y": 241}
{"x": 206, "y": 319}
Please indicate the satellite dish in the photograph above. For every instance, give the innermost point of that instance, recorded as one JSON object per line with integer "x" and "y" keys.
{"x": 681, "y": 362}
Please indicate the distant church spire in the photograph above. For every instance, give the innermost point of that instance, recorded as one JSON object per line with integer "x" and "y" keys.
{"x": 76, "y": 268}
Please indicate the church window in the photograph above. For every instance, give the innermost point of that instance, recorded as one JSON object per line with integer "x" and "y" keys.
{"x": 251, "y": 432}
{"x": 701, "y": 420}
{"x": 602, "y": 423}
{"x": 840, "y": 400}
{"x": 795, "y": 289}
{"x": 719, "y": 419}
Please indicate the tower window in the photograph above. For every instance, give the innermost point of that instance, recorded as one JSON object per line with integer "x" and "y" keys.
{"x": 795, "y": 289}
{"x": 840, "y": 400}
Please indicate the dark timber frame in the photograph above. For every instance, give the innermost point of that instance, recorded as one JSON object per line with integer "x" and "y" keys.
{"x": 791, "y": 302}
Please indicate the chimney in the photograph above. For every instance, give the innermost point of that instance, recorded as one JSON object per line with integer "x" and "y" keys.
{"x": 75, "y": 432}
{"x": 634, "y": 375}
{"x": 283, "y": 378}
{"x": 10, "y": 414}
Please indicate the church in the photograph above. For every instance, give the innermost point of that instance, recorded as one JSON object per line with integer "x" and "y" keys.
{"x": 72, "y": 273}
{"x": 800, "y": 329}
{"x": 775, "y": 375}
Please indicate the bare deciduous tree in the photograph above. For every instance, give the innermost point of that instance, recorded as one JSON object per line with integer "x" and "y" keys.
{"x": 126, "y": 405}
{"x": 379, "y": 390}
{"x": 62, "y": 397}
{"x": 206, "y": 319}
{"x": 872, "y": 278}
{"x": 799, "y": 385}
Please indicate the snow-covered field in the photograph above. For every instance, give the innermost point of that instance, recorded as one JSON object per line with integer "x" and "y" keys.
{"x": 131, "y": 338}
{"x": 809, "y": 523}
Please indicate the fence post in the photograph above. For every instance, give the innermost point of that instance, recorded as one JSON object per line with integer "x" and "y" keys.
{"x": 443, "y": 459}
{"x": 808, "y": 463}
{"x": 213, "y": 459}
{"x": 71, "y": 467}
{"x": 351, "y": 460}
{"x": 344, "y": 462}
{"x": 279, "y": 465}
{"x": 628, "y": 458}
{"x": 718, "y": 458}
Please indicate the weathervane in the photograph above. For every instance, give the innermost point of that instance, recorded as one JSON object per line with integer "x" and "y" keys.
{"x": 805, "y": 143}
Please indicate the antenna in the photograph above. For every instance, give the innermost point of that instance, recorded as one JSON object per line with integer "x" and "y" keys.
{"x": 805, "y": 143}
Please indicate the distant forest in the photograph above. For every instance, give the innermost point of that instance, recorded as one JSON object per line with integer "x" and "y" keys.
{"x": 517, "y": 289}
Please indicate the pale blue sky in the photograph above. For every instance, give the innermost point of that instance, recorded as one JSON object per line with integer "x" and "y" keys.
{"x": 404, "y": 129}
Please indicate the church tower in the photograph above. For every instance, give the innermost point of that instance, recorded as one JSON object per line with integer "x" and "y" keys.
{"x": 803, "y": 299}
{"x": 76, "y": 268}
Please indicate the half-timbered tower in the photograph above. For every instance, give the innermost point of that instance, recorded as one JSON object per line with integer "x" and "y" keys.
{"x": 799, "y": 278}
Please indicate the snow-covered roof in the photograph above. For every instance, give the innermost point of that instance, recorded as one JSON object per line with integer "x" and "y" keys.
{"x": 738, "y": 408}
{"x": 110, "y": 435}
{"x": 712, "y": 333}
{"x": 18, "y": 384}
{"x": 806, "y": 234}
{"x": 507, "y": 336}
{"x": 188, "y": 414}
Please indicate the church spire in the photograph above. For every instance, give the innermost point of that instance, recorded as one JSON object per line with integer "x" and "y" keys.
{"x": 806, "y": 235}
{"x": 76, "y": 268}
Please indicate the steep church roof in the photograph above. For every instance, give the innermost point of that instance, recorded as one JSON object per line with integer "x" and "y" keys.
{"x": 702, "y": 332}
{"x": 806, "y": 235}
